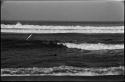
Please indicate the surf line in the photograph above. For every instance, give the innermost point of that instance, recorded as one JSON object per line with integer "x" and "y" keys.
{"x": 29, "y": 36}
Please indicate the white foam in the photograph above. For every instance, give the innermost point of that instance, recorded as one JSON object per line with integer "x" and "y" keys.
{"x": 63, "y": 71}
{"x": 88, "y": 46}
{"x": 19, "y": 28}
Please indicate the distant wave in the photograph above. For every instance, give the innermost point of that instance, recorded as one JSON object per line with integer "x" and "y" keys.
{"x": 89, "y": 46}
{"x": 63, "y": 71}
{"x": 19, "y": 28}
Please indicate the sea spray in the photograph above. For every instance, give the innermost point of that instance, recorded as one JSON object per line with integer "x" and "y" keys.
{"x": 90, "y": 46}
{"x": 63, "y": 71}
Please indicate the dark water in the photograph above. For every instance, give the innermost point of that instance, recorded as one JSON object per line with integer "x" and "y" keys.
{"x": 64, "y": 37}
{"x": 47, "y": 53}
{"x": 43, "y": 51}
{"x": 66, "y": 23}
{"x": 66, "y": 78}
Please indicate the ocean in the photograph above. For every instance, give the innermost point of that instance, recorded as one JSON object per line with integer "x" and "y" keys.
{"x": 62, "y": 49}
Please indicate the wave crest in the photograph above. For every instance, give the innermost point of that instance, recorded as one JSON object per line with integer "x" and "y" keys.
{"x": 60, "y": 29}
{"x": 88, "y": 46}
{"x": 62, "y": 71}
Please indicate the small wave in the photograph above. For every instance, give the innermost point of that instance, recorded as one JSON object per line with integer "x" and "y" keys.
{"x": 63, "y": 71}
{"x": 88, "y": 46}
{"x": 60, "y": 29}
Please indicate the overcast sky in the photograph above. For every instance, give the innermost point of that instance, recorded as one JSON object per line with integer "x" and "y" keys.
{"x": 63, "y": 10}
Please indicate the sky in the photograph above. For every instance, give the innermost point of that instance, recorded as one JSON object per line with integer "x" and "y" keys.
{"x": 71, "y": 10}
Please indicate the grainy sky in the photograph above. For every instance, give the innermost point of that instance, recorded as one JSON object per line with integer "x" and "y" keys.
{"x": 96, "y": 10}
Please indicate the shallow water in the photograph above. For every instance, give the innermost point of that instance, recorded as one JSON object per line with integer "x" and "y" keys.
{"x": 62, "y": 50}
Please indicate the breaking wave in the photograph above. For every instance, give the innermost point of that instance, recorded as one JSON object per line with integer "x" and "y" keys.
{"x": 89, "y": 46}
{"x": 19, "y": 28}
{"x": 63, "y": 71}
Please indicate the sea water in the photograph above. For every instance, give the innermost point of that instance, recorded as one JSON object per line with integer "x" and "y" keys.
{"x": 63, "y": 69}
